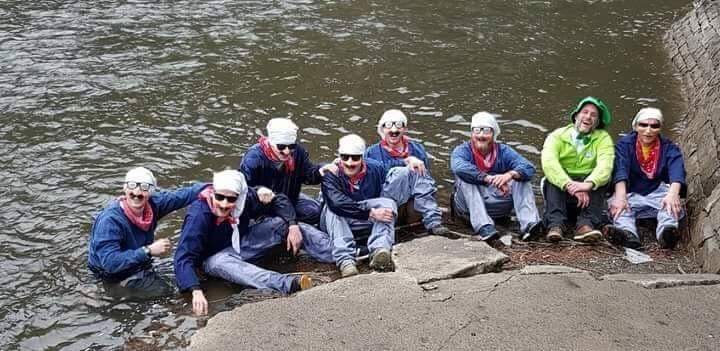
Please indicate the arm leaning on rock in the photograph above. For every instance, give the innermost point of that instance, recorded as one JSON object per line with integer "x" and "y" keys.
{"x": 169, "y": 201}
{"x": 554, "y": 171}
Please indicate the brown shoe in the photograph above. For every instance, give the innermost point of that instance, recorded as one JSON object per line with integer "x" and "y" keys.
{"x": 587, "y": 234}
{"x": 554, "y": 234}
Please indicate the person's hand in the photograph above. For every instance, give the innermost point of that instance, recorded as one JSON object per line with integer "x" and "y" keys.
{"x": 294, "y": 239}
{"x": 330, "y": 167}
{"x": 199, "y": 303}
{"x": 583, "y": 199}
{"x": 504, "y": 189}
{"x": 265, "y": 195}
{"x": 671, "y": 203}
{"x": 617, "y": 206}
{"x": 381, "y": 214}
{"x": 160, "y": 247}
{"x": 499, "y": 180}
{"x": 573, "y": 187}
{"x": 415, "y": 164}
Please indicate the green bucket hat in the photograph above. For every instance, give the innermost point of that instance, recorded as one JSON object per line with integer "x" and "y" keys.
{"x": 605, "y": 116}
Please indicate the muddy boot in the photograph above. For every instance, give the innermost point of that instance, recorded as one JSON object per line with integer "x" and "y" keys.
{"x": 587, "y": 234}
{"x": 668, "y": 238}
{"x": 381, "y": 260}
{"x": 621, "y": 237}
{"x": 554, "y": 234}
{"x": 534, "y": 231}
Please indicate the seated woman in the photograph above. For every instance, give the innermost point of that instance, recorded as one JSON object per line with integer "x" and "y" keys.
{"x": 649, "y": 178}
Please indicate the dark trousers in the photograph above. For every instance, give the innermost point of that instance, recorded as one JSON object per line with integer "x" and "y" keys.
{"x": 559, "y": 204}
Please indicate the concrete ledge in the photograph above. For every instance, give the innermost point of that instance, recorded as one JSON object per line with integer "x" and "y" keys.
{"x": 659, "y": 281}
{"x": 549, "y": 269}
{"x": 434, "y": 258}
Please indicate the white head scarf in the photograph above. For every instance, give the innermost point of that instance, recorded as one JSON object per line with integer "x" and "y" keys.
{"x": 232, "y": 180}
{"x": 140, "y": 175}
{"x": 647, "y": 113}
{"x": 282, "y": 131}
{"x": 351, "y": 144}
{"x": 391, "y": 116}
{"x": 485, "y": 119}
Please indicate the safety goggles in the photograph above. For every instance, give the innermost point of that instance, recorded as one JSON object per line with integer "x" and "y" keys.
{"x": 651, "y": 125}
{"x": 221, "y": 197}
{"x": 396, "y": 124}
{"x": 143, "y": 186}
{"x": 353, "y": 157}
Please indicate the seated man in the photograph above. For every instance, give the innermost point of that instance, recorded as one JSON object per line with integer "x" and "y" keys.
{"x": 649, "y": 179}
{"x": 492, "y": 179}
{"x": 281, "y": 164}
{"x": 122, "y": 236}
{"x": 409, "y": 170}
{"x": 219, "y": 236}
{"x": 353, "y": 203}
{"x": 577, "y": 160}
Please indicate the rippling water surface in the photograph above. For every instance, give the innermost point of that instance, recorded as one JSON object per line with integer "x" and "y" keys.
{"x": 91, "y": 88}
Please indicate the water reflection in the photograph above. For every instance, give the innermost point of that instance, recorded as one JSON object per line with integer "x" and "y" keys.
{"x": 88, "y": 89}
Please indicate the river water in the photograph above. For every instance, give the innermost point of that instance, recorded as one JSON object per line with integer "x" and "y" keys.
{"x": 90, "y": 88}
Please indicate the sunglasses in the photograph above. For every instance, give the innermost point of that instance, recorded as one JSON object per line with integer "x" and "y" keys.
{"x": 482, "y": 130}
{"x": 143, "y": 186}
{"x": 651, "y": 125}
{"x": 397, "y": 124}
{"x": 353, "y": 157}
{"x": 221, "y": 197}
{"x": 282, "y": 147}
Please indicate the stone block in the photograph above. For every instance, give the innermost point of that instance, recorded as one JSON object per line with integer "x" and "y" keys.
{"x": 434, "y": 258}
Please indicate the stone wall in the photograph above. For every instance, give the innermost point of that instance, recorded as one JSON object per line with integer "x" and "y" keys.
{"x": 694, "y": 44}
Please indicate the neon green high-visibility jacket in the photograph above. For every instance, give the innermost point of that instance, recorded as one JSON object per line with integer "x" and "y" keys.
{"x": 561, "y": 162}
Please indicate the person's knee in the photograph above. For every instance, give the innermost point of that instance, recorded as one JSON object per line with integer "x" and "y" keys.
{"x": 384, "y": 202}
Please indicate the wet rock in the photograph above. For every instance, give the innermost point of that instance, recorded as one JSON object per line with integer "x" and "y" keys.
{"x": 549, "y": 269}
{"x": 436, "y": 258}
{"x": 659, "y": 281}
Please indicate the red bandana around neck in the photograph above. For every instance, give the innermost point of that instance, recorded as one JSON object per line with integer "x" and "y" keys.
{"x": 207, "y": 195}
{"x": 648, "y": 165}
{"x": 144, "y": 221}
{"x": 269, "y": 153}
{"x": 395, "y": 153}
{"x": 484, "y": 163}
{"x": 357, "y": 178}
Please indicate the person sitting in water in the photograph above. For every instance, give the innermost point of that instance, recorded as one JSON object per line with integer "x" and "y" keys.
{"x": 353, "y": 203}
{"x": 280, "y": 163}
{"x": 122, "y": 238}
{"x": 221, "y": 236}
{"x": 577, "y": 161}
{"x": 649, "y": 179}
{"x": 492, "y": 179}
{"x": 408, "y": 170}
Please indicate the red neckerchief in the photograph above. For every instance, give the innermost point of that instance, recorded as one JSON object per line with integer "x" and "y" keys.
{"x": 207, "y": 195}
{"x": 357, "y": 178}
{"x": 269, "y": 153}
{"x": 395, "y": 153}
{"x": 143, "y": 222}
{"x": 482, "y": 163}
{"x": 648, "y": 165}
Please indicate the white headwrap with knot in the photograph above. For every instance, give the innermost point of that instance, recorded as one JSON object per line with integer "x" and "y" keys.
{"x": 232, "y": 180}
{"x": 391, "y": 116}
{"x": 647, "y": 113}
{"x": 351, "y": 144}
{"x": 485, "y": 119}
{"x": 282, "y": 131}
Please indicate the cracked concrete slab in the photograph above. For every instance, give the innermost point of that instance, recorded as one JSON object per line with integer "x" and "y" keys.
{"x": 549, "y": 269}
{"x": 434, "y": 258}
{"x": 659, "y": 281}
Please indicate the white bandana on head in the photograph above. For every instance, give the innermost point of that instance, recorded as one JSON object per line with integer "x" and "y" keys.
{"x": 232, "y": 180}
{"x": 282, "y": 131}
{"x": 351, "y": 144}
{"x": 485, "y": 119}
{"x": 647, "y": 113}
{"x": 391, "y": 116}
